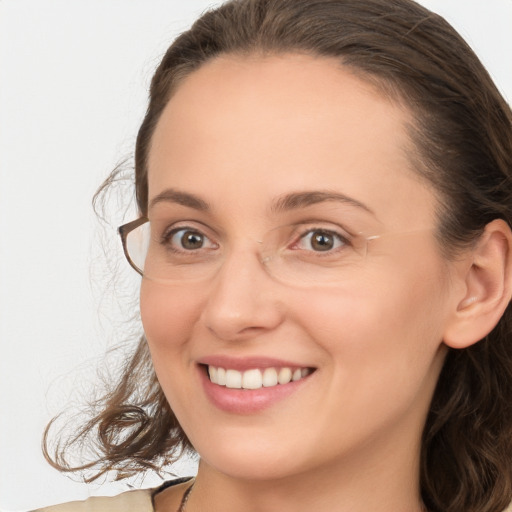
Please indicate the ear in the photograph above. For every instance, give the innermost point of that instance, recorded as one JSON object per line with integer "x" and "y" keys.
{"x": 487, "y": 287}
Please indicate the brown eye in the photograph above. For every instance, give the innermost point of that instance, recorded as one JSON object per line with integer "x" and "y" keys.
{"x": 186, "y": 239}
{"x": 192, "y": 240}
{"x": 320, "y": 240}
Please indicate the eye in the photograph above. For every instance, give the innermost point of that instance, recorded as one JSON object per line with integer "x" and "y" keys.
{"x": 321, "y": 240}
{"x": 188, "y": 239}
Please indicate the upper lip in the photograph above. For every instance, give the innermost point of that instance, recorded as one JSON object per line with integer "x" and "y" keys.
{"x": 247, "y": 363}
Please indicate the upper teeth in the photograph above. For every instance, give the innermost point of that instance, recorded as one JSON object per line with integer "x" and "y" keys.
{"x": 255, "y": 378}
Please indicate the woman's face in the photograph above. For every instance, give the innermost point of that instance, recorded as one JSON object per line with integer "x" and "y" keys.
{"x": 246, "y": 146}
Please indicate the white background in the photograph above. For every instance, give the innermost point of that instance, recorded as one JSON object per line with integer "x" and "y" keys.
{"x": 73, "y": 82}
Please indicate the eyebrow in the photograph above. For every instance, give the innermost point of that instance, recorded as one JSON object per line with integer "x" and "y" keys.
{"x": 297, "y": 200}
{"x": 183, "y": 198}
{"x": 292, "y": 201}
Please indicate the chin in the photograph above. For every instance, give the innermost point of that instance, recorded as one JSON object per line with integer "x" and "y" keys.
{"x": 249, "y": 460}
{"x": 262, "y": 468}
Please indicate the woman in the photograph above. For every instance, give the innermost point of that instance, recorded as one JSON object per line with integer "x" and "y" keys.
{"x": 324, "y": 237}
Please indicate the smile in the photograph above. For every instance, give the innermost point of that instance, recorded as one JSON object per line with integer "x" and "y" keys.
{"x": 255, "y": 378}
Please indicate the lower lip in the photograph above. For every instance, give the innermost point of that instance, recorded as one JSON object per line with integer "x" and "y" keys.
{"x": 247, "y": 401}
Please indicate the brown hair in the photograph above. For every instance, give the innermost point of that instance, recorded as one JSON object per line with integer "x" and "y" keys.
{"x": 463, "y": 139}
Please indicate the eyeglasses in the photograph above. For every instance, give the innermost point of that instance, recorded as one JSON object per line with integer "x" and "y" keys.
{"x": 295, "y": 254}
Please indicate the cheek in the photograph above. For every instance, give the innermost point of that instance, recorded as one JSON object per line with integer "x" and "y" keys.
{"x": 168, "y": 314}
{"x": 385, "y": 349}
{"x": 390, "y": 321}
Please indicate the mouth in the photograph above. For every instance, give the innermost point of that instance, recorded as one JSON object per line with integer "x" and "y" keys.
{"x": 251, "y": 384}
{"x": 256, "y": 378}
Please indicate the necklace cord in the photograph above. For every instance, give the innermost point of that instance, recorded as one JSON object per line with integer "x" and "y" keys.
{"x": 185, "y": 497}
{"x": 188, "y": 491}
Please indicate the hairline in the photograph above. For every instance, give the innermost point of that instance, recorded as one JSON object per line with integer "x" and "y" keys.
{"x": 387, "y": 87}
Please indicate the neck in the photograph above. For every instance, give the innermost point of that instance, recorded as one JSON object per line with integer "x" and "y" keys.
{"x": 356, "y": 486}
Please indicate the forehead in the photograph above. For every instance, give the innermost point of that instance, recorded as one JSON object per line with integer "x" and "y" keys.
{"x": 280, "y": 122}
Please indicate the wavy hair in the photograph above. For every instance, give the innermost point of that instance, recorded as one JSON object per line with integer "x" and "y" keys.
{"x": 462, "y": 136}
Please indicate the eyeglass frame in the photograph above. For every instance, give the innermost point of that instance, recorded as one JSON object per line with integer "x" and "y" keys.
{"x": 124, "y": 231}
{"x": 127, "y": 228}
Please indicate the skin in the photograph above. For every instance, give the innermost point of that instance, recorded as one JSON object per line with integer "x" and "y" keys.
{"x": 240, "y": 133}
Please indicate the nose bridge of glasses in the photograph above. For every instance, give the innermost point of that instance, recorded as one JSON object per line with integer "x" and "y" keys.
{"x": 241, "y": 263}
{"x": 247, "y": 258}
{"x": 253, "y": 247}
{"x": 253, "y": 253}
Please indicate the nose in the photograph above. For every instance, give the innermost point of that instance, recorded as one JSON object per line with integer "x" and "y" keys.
{"x": 243, "y": 300}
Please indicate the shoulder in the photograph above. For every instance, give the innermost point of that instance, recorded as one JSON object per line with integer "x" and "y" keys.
{"x": 130, "y": 501}
{"x": 136, "y": 501}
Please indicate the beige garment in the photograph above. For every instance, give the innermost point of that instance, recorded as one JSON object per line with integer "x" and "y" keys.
{"x": 131, "y": 501}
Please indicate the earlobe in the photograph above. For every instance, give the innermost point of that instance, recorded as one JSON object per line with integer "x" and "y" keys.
{"x": 487, "y": 285}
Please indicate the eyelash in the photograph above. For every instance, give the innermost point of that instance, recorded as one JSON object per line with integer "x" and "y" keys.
{"x": 343, "y": 239}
